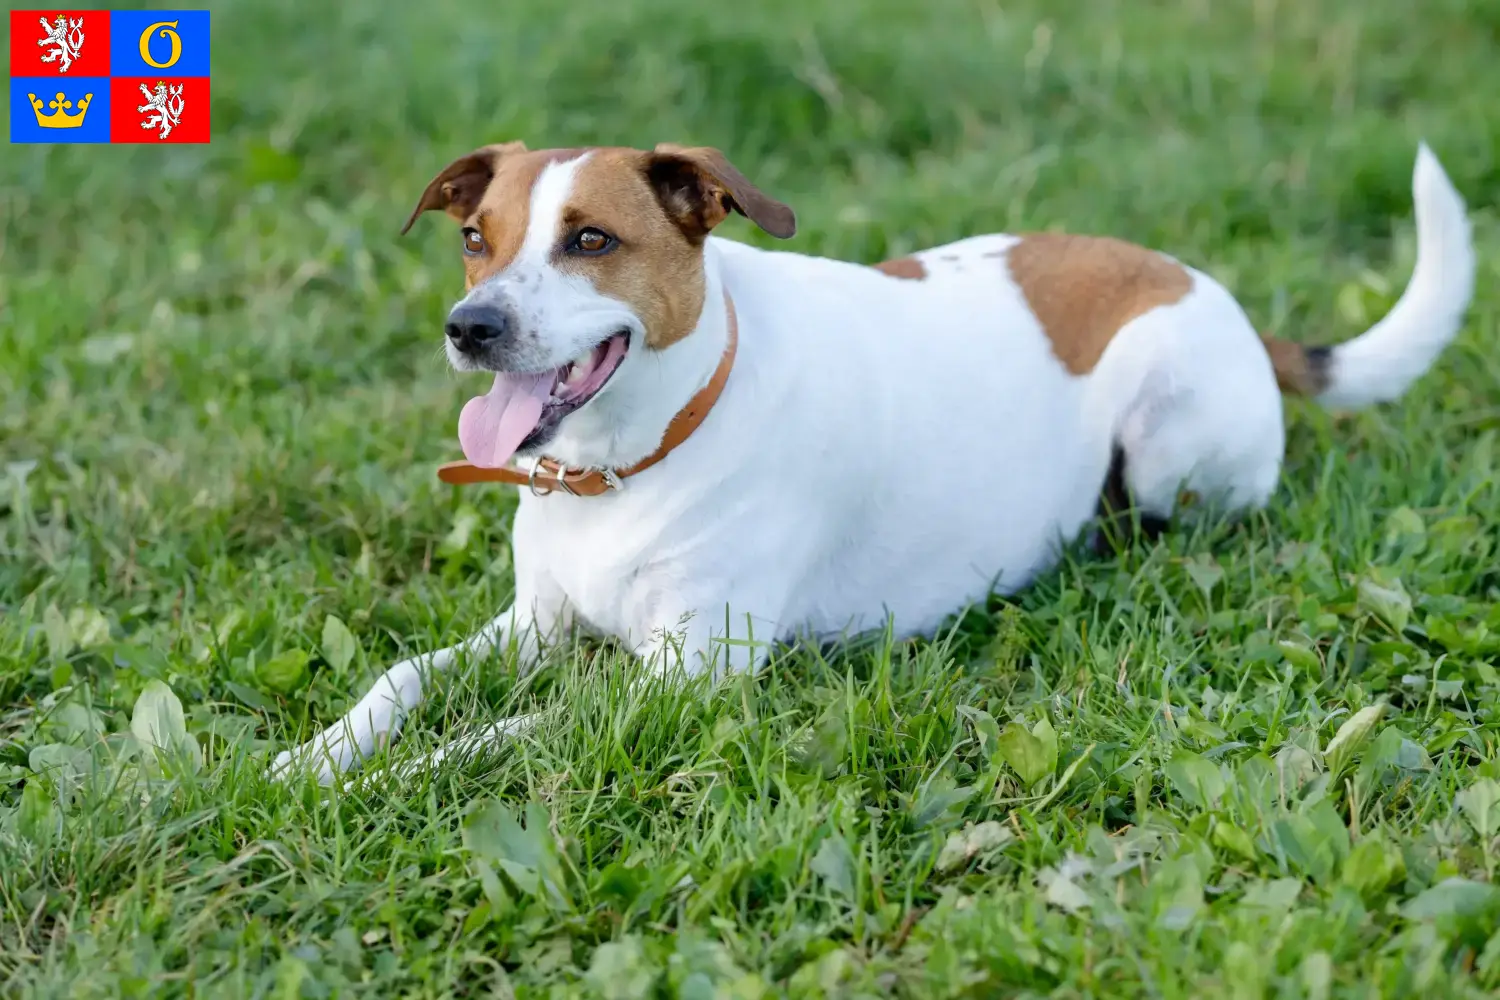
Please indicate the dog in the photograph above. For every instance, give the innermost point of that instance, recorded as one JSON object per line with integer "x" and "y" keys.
{"x": 721, "y": 446}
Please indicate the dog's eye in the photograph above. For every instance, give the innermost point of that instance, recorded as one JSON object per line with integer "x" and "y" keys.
{"x": 592, "y": 241}
{"x": 473, "y": 242}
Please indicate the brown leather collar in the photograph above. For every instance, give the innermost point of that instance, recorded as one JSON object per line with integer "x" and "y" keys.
{"x": 547, "y": 476}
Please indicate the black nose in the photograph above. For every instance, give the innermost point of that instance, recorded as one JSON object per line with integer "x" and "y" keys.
{"x": 474, "y": 327}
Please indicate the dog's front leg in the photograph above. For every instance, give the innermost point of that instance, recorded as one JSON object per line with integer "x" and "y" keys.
{"x": 377, "y": 717}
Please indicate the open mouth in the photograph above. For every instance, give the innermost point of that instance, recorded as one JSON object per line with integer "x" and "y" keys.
{"x": 523, "y": 409}
{"x": 580, "y": 380}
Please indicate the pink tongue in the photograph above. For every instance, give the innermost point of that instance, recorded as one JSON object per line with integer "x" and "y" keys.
{"x": 491, "y": 427}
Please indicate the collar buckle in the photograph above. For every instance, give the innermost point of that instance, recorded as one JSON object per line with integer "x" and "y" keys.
{"x": 558, "y": 475}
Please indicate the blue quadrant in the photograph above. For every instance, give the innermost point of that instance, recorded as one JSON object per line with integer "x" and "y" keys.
{"x": 23, "y": 123}
{"x": 127, "y": 26}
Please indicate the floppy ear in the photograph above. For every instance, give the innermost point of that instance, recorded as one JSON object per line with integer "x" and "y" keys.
{"x": 699, "y": 187}
{"x": 462, "y": 183}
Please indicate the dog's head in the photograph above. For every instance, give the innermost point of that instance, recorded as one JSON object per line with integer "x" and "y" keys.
{"x": 581, "y": 264}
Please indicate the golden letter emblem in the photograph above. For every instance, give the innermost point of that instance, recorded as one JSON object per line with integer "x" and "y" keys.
{"x": 166, "y": 32}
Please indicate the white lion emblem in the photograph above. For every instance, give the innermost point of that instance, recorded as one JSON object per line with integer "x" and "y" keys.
{"x": 167, "y": 102}
{"x": 65, "y": 37}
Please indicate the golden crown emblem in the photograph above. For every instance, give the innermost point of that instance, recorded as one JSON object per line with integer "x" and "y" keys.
{"x": 60, "y": 117}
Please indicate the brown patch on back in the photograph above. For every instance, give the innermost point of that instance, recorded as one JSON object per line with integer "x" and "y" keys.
{"x": 657, "y": 268}
{"x": 1301, "y": 371}
{"x": 903, "y": 267}
{"x": 1083, "y": 289}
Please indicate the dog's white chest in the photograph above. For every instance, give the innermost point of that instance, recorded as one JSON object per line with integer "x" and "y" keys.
{"x": 613, "y": 561}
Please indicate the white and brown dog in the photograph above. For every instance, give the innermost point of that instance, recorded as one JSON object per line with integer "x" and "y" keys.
{"x": 723, "y": 445}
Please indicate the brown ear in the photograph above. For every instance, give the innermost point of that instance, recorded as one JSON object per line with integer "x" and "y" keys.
{"x": 462, "y": 183}
{"x": 699, "y": 187}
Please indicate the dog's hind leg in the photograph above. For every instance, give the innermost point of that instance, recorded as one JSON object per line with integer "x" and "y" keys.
{"x": 1194, "y": 407}
{"x": 1117, "y": 524}
{"x": 1218, "y": 437}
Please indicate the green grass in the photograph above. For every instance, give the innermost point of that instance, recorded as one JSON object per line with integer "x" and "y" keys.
{"x": 221, "y": 403}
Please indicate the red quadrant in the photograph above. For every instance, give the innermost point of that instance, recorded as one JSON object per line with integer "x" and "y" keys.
{"x": 126, "y": 123}
{"x": 91, "y": 57}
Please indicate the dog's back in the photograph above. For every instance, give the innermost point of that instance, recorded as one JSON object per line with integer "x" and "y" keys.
{"x": 954, "y": 415}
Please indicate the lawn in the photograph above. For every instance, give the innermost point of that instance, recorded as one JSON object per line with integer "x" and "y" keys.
{"x": 1249, "y": 760}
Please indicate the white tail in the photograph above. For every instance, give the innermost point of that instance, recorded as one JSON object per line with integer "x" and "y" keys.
{"x": 1382, "y": 363}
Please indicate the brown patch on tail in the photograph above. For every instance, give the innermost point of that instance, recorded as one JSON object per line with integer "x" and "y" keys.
{"x": 1300, "y": 371}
